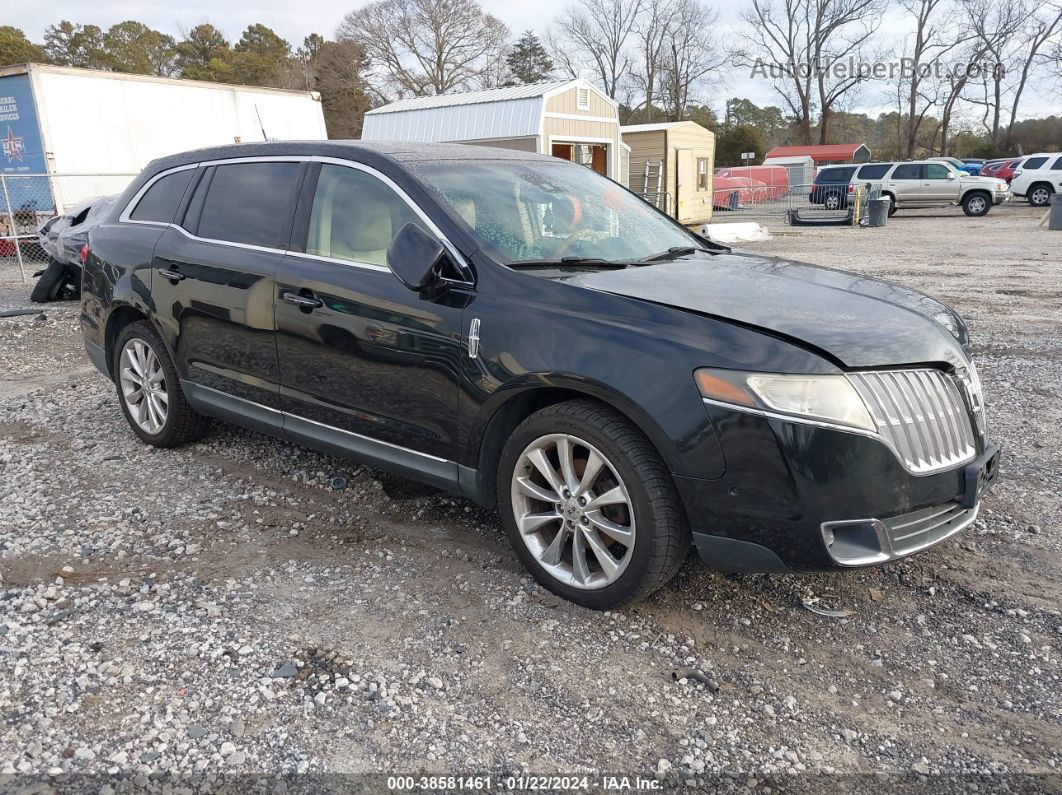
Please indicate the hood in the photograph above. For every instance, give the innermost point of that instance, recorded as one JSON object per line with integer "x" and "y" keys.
{"x": 857, "y": 320}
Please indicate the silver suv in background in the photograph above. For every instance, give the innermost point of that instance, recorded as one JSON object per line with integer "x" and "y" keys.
{"x": 933, "y": 183}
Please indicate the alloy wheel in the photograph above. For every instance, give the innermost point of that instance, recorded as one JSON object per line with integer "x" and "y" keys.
{"x": 1040, "y": 197}
{"x": 977, "y": 205}
{"x": 833, "y": 201}
{"x": 573, "y": 511}
{"x": 144, "y": 387}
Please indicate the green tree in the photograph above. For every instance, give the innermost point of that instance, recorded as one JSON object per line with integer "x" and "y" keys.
{"x": 133, "y": 47}
{"x": 16, "y": 48}
{"x": 739, "y": 138}
{"x": 702, "y": 115}
{"x": 769, "y": 120}
{"x": 203, "y": 54}
{"x": 339, "y": 69}
{"x": 260, "y": 57}
{"x": 528, "y": 61}
{"x": 68, "y": 44}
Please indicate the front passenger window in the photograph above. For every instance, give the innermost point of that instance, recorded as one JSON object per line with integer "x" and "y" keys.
{"x": 933, "y": 171}
{"x": 355, "y": 216}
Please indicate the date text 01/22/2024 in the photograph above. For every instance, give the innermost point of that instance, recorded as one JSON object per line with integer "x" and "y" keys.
{"x": 530, "y": 783}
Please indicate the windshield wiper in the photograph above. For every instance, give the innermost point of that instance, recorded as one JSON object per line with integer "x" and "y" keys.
{"x": 597, "y": 262}
{"x": 673, "y": 253}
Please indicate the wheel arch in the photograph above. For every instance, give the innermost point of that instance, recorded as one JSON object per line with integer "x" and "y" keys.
{"x": 510, "y": 406}
{"x": 119, "y": 318}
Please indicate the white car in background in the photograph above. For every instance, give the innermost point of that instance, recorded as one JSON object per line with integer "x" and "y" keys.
{"x": 1037, "y": 177}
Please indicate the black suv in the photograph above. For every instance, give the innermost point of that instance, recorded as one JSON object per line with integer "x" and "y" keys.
{"x": 834, "y": 185}
{"x": 525, "y": 332}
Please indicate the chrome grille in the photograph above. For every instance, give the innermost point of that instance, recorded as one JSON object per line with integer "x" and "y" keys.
{"x": 921, "y": 413}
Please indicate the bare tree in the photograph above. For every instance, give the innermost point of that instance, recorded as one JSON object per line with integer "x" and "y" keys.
{"x": 1040, "y": 28}
{"x": 423, "y": 47}
{"x": 934, "y": 36}
{"x": 591, "y": 38}
{"x": 654, "y": 24}
{"x": 996, "y": 25}
{"x": 798, "y": 43}
{"x": 688, "y": 55}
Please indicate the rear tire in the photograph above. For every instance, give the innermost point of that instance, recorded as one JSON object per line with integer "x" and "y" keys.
{"x": 50, "y": 283}
{"x": 632, "y": 542}
{"x": 1040, "y": 194}
{"x": 892, "y": 203}
{"x": 976, "y": 204}
{"x": 149, "y": 390}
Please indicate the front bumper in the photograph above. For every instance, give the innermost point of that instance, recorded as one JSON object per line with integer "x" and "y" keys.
{"x": 796, "y": 496}
{"x": 1000, "y": 198}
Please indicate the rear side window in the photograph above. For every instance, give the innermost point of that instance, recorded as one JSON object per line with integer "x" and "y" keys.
{"x": 160, "y": 202}
{"x": 836, "y": 174}
{"x": 1034, "y": 162}
{"x": 249, "y": 203}
{"x": 1058, "y": 165}
{"x": 907, "y": 171}
{"x": 876, "y": 171}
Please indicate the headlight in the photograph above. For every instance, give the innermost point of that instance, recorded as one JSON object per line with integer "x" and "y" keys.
{"x": 830, "y": 398}
{"x": 1002, "y": 185}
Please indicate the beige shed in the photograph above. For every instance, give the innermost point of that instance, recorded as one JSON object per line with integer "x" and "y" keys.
{"x": 570, "y": 119}
{"x": 671, "y": 166}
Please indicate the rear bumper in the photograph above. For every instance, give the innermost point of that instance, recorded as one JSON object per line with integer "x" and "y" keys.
{"x": 797, "y": 497}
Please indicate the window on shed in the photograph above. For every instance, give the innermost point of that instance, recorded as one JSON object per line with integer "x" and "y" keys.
{"x": 160, "y": 202}
{"x": 702, "y": 173}
{"x": 582, "y": 98}
{"x": 249, "y": 203}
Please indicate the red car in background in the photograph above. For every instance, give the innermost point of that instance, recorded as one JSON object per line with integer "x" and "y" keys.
{"x": 1002, "y": 169}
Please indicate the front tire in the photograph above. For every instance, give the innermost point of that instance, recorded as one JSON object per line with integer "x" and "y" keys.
{"x": 589, "y": 505}
{"x": 976, "y": 204}
{"x": 149, "y": 390}
{"x": 50, "y": 283}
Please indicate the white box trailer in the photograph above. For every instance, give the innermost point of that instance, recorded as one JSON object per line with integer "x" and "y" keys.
{"x": 59, "y": 120}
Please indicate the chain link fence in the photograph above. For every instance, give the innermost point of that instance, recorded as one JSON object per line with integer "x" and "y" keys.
{"x": 824, "y": 202}
{"x": 28, "y": 201}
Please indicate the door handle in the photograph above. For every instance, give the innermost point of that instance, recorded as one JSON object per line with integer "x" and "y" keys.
{"x": 172, "y": 274}
{"x": 306, "y": 302}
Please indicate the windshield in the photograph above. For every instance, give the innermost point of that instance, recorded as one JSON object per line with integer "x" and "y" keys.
{"x": 533, "y": 210}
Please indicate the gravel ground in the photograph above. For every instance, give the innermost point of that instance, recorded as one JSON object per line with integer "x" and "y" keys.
{"x": 231, "y": 608}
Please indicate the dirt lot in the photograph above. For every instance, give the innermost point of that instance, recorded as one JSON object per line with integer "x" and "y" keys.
{"x": 222, "y": 608}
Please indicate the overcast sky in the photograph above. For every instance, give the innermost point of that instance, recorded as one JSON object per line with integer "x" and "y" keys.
{"x": 294, "y": 20}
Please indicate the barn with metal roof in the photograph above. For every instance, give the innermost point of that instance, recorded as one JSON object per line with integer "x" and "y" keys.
{"x": 570, "y": 119}
{"x": 824, "y": 153}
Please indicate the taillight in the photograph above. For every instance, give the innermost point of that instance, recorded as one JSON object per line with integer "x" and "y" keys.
{"x": 84, "y": 255}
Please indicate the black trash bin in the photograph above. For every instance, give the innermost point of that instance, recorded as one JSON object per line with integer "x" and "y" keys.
{"x": 878, "y": 211}
{"x": 1055, "y": 221}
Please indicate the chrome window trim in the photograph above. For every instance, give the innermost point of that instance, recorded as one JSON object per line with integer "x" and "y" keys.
{"x": 462, "y": 264}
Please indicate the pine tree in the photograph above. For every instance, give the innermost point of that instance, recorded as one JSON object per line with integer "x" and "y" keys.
{"x": 528, "y": 61}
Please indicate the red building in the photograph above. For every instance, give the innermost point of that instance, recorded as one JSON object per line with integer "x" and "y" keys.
{"x": 828, "y": 153}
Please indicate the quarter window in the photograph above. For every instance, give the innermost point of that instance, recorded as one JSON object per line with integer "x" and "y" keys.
{"x": 249, "y": 203}
{"x": 1058, "y": 165}
{"x": 908, "y": 171}
{"x": 355, "y": 216}
{"x": 161, "y": 200}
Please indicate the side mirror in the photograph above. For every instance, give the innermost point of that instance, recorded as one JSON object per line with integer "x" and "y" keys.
{"x": 415, "y": 257}
{"x": 951, "y": 175}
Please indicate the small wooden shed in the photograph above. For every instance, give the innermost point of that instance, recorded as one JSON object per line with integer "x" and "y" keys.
{"x": 570, "y": 119}
{"x": 671, "y": 165}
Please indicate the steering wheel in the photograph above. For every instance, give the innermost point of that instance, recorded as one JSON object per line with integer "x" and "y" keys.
{"x": 579, "y": 236}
